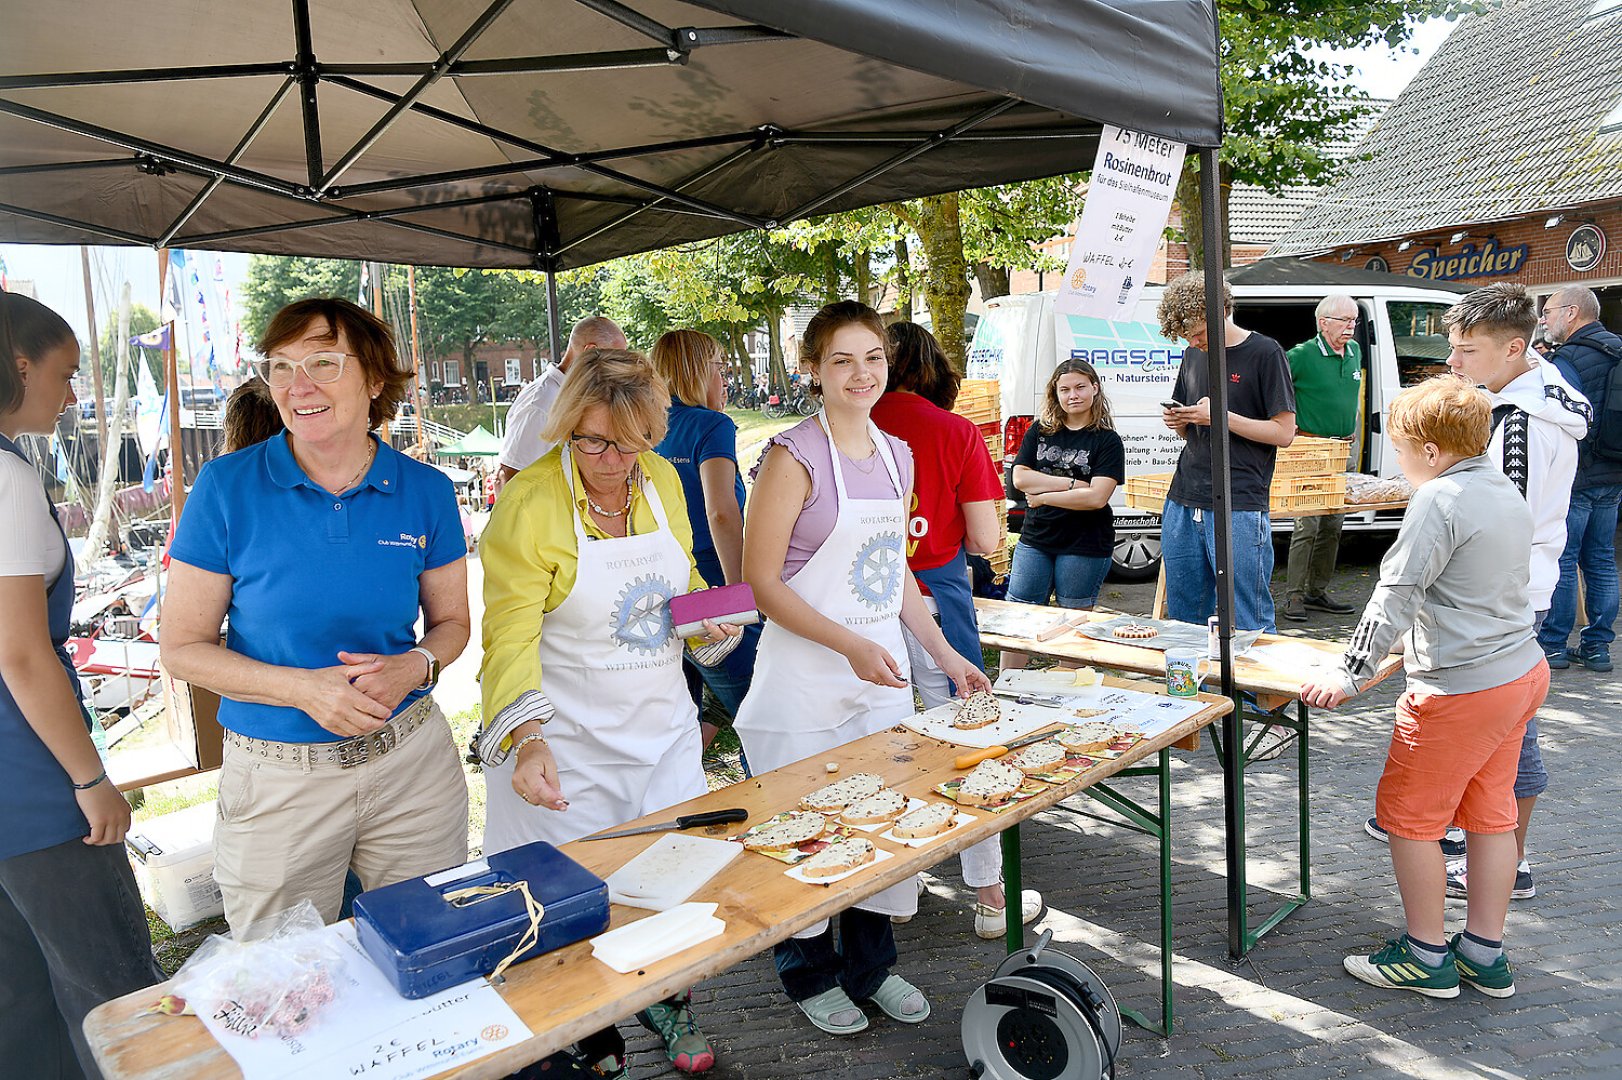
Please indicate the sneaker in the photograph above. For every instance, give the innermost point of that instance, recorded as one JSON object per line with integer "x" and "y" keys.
{"x": 1496, "y": 981}
{"x": 1294, "y": 610}
{"x": 1397, "y": 967}
{"x": 1558, "y": 661}
{"x": 685, "y": 1045}
{"x": 1452, "y": 841}
{"x": 1323, "y": 602}
{"x": 991, "y": 923}
{"x": 1458, "y": 886}
{"x": 1594, "y": 659}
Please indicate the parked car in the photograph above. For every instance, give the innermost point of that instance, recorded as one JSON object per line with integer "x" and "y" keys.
{"x": 1020, "y": 340}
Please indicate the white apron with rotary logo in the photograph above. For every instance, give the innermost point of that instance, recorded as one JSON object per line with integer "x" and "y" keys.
{"x": 625, "y": 731}
{"x": 804, "y": 698}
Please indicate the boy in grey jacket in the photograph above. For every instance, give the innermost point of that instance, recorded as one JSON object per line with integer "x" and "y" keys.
{"x": 1453, "y": 587}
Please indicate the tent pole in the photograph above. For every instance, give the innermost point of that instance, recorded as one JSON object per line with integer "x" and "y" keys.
{"x": 1221, "y": 501}
{"x": 554, "y": 333}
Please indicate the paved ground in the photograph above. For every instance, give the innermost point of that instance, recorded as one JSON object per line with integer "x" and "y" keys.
{"x": 1289, "y": 1011}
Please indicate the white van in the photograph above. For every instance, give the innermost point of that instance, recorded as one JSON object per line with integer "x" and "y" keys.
{"x": 1019, "y": 342}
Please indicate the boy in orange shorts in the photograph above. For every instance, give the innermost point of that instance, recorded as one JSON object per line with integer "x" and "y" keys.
{"x": 1454, "y": 588}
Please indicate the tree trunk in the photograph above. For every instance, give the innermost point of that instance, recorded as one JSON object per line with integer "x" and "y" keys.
{"x": 1188, "y": 202}
{"x": 777, "y": 376}
{"x": 946, "y": 276}
{"x": 112, "y": 450}
{"x": 903, "y": 279}
{"x": 830, "y": 274}
{"x": 993, "y": 280}
{"x": 864, "y": 276}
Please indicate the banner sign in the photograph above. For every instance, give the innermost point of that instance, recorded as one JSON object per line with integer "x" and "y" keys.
{"x": 1128, "y": 200}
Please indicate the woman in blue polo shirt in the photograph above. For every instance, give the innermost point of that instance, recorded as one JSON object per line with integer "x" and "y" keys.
{"x": 323, "y": 545}
{"x": 72, "y": 933}
{"x": 702, "y": 442}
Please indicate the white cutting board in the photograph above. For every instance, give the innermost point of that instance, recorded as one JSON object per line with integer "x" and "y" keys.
{"x": 673, "y": 868}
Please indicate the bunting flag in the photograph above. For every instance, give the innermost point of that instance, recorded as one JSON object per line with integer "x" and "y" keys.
{"x": 149, "y": 475}
{"x": 153, "y": 339}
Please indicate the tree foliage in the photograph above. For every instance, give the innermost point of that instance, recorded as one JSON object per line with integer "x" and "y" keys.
{"x": 1282, "y": 105}
{"x": 142, "y": 320}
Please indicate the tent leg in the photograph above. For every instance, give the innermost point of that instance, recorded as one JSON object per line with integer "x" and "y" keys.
{"x": 554, "y": 332}
{"x": 1221, "y": 498}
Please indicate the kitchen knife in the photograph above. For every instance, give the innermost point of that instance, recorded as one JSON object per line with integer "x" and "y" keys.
{"x": 969, "y": 761}
{"x": 686, "y": 821}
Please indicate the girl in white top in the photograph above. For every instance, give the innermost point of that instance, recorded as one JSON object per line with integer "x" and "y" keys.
{"x": 824, "y": 551}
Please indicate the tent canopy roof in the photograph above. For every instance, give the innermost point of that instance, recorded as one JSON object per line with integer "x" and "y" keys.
{"x": 476, "y": 443}
{"x": 557, "y": 133}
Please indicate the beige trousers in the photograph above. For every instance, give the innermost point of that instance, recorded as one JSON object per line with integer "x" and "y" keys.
{"x": 289, "y": 832}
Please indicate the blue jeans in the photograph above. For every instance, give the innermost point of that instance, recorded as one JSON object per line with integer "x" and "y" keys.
{"x": 1188, "y": 551}
{"x": 1591, "y": 548}
{"x": 861, "y": 962}
{"x": 1036, "y": 575}
{"x": 72, "y": 935}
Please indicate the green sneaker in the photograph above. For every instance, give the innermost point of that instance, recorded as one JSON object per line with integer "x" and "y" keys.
{"x": 1495, "y": 981}
{"x": 685, "y": 1045}
{"x": 1397, "y": 967}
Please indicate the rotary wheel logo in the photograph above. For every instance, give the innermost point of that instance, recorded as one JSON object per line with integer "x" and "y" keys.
{"x": 642, "y": 615}
{"x": 875, "y": 576}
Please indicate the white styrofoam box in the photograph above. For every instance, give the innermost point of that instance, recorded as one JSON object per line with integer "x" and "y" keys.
{"x": 174, "y": 862}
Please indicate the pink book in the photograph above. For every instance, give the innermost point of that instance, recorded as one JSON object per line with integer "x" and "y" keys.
{"x": 733, "y": 604}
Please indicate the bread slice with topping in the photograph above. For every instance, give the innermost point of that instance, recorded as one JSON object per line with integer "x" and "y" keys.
{"x": 841, "y": 793}
{"x": 796, "y": 828}
{"x": 1087, "y": 737}
{"x": 991, "y": 782}
{"x": 930, "y": 819}
{"x": 978, "y": 710}
{"x": 876, "y": 809}
{"x": 1037, "y": 757}
{"x": 839, "y": 857}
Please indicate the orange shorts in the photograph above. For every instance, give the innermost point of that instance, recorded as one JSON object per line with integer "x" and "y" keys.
{"x": 1452, "y": 759}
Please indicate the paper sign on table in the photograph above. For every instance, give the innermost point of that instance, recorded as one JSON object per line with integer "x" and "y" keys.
{"x": 371, "y": 1031}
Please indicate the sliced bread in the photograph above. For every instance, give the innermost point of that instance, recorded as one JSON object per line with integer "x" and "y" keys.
{"x": 839, "y": 857}
{"x": 841, "y": 793}
{"x": 793, "y": 830}
{"x": 977, "y": 711}
{"x": 1037, "y": 757}
{"x": 881, "y": 806}
{"x": 1087, "y": 737}
{"x": 990, "y": 783}
{"x": 930, "y": 819}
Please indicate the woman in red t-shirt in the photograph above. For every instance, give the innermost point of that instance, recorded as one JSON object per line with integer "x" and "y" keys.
{"x": 953, "y": 508}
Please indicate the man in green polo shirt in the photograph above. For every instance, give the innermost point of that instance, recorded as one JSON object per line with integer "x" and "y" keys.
{"x": 1328, "y": 375}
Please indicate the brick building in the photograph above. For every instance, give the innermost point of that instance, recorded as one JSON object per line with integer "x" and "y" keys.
{"x": 1501, "y": 161}
{"x": 505, "y": 366}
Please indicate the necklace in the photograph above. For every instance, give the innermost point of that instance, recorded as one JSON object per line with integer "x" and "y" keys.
{"x": 871, "y": 462}
{"x": 612, "y": 513}
{"x": 371, "y": 452}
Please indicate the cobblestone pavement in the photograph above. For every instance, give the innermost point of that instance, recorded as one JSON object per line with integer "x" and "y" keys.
{"x": 1289, "y": 1011}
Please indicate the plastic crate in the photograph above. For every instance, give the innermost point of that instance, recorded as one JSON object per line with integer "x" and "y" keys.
{"x": 1148, "y": 492}
{"x": 980, "y": 400}
{"x": 1309, "y": 455}
{"x": 1289, "y": 494}
{"x": 1332, "y": 484}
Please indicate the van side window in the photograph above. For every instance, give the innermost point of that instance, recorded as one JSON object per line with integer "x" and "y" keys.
{"x": 1419, "y": 340}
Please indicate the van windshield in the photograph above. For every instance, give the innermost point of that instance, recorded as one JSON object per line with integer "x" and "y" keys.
{"x": 1419, "y": 339}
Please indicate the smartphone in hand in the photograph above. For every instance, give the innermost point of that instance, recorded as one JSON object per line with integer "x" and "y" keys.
{"x": 1172, "y": 404}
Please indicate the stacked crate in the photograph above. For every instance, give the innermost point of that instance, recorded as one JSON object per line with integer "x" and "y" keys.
{"x": 1309, "y": 474}
{"x": 980, "y": 402}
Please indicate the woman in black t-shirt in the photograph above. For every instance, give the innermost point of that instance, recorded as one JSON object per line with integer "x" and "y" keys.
{"x": 1068, "y": 467}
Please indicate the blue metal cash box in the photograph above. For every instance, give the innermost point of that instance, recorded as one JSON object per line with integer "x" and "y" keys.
{"x": 429, "y": 933}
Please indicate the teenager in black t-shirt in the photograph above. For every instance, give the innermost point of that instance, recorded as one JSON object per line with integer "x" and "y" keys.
{"x": 1261, "y": 418}
{"x": 1068, "y": 466}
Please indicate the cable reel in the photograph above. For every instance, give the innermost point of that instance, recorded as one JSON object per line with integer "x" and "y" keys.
{"x": 1044, "y": 1015}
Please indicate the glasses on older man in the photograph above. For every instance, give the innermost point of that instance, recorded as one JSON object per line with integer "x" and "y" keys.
{"x": 321, "y": 367}
{"x": 593, "y": 445}
{"x": 1348, "y": 320}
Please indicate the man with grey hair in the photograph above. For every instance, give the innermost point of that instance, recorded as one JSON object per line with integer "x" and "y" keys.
{"x": 1587, "y": 355}
{"x": 1328, "y": 375}
{"x": 523, "y": 445}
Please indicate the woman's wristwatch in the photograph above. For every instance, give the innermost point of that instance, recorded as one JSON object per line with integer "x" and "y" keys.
{"x": 433, "y": 667}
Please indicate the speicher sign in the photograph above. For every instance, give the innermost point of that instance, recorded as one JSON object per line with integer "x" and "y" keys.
{"x": 1489, "y": 260}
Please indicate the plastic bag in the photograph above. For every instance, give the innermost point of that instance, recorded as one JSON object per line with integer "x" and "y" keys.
{"x": 279, "y": 979}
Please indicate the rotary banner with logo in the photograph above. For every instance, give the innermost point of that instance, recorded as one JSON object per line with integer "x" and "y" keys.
{"x": 1128, "y": 200}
